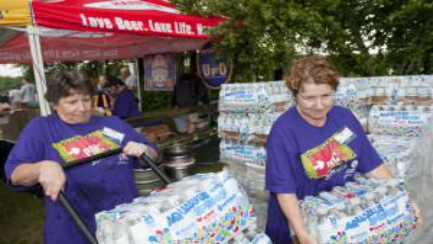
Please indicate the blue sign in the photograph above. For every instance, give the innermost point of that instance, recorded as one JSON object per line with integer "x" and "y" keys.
{"x": 213, "y": 70}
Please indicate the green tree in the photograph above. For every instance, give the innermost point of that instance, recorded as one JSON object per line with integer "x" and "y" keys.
{"x": 362, "y": 38}
{"x": 91, "y": 68}
{"x": 381, "y": 37}
{"x": 260, "y": 36}
{"x": 7, "y": 83}
{"x": 411, "y": 38}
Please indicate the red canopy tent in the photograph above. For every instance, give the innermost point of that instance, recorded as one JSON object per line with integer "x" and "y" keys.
{"x": 72, "y": 30}
{"x": 107, "y": 29}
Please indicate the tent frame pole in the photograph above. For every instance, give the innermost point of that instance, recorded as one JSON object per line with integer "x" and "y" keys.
{"x": 38, "y": 68}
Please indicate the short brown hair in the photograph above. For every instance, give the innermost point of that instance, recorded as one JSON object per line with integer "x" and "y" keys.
{"x": 311, "y": 70}
{"x": 66, "y": 83}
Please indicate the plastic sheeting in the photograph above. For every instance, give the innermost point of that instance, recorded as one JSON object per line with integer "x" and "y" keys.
{"x": 252, "y": 179}
{"x": 419, "y": 186}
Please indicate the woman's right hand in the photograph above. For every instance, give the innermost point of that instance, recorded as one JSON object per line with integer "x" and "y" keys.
{"x": 52, "y": 178}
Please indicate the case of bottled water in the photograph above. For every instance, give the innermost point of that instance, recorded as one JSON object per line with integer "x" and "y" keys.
{"x": 399, "y": 120}
{"x": 364, "y": 211}
{"x": 204, "y": 208}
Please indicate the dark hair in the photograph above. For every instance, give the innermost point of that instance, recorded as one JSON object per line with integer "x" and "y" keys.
{"x": 114, "y": 81}
{"x": 27, "y": 79}
{"x": 66, "y": 83}
{"x": 311, "y": 70}
{"x": 189, "y": 77}
{"x": 4, "y": 99}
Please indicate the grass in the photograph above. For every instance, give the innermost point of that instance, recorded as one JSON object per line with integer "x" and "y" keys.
{"x": 21, "y": 217}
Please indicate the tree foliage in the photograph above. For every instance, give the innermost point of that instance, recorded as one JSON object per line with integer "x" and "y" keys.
{"x": 363, "y": 38}
{"x": 91, "y": 68}
{"x": 7, "y": 83}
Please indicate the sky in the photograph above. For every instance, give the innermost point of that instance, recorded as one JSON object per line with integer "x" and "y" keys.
{"x": 9, "y": 70}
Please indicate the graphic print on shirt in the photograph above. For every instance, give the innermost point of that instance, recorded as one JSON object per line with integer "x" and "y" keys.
{"x": 79, "y": 147}
{"x": 322, "y": 160}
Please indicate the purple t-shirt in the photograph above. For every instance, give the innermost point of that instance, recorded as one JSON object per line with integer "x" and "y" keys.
{"x": 304, "y": 160}
{"x": 126, "y": 105}
{"x": 91, "y": 188}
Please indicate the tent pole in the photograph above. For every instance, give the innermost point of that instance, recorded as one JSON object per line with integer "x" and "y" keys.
{"x": 38, "y": 68}
{"x": 139, "y": 85}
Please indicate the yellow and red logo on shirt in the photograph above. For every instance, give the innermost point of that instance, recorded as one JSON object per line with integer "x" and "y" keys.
{"x": 320, "y": 161}
{"x": 79, "y": 147}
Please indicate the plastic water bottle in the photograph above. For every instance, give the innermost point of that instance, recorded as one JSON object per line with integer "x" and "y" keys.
{"x": 356, "y": 189}
{"x": 354, "y": 206}
{"x": 320, "y": 223}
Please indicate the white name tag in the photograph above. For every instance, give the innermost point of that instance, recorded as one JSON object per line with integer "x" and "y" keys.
{"x": 112, "y": 134}
{"x": 345, "y": 136}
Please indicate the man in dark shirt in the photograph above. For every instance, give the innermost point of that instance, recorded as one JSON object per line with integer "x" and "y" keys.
{"x": 188, "y": 91}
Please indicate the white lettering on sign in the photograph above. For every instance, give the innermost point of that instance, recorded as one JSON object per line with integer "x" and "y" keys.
{"x": 84, "y": 20}
{"x": 124, "y": 24}
{"x": 160, "y": 27}
{"x": 210, "y": 70}
{"x": 110, "y": 53}
{"x": 205, "y": 69}
{"x": 183, "y": 28}
{"x": 136, "y": 25}
{"x": 70, "y": 53}
{"x": 200, "y": 29}
{"x": 96, "y": 22}
{"x": 91, "y": 53}
{"x": 222, "y": 69}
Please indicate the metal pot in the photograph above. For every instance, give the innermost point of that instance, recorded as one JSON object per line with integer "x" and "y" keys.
{"x": 177, "y": 160}
{"x": 177, "y": 150}
{"x": 146, "y": 180}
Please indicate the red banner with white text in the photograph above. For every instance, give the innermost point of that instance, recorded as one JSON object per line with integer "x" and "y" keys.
{"x": 60, "y": 45}
{"x": 140, "y": 17}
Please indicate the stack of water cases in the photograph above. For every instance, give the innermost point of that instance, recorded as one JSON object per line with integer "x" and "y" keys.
{"x": 397, "y": 153}
{"x": 247, "y": 112}
{"x": 406, "y": 121}
{"x": 393, "y": 90}
{"x": 364, "y": 211}
{"x": 204, "y": 208}
{"x": 348, "y": 95}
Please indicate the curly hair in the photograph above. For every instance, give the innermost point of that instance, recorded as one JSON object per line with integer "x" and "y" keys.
{"x": 311, "y": 70}
{"x": 66, "y": 83}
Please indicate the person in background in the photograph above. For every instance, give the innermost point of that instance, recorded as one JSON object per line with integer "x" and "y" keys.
{"x": 188, "y": 91}
{"x": 4, "y": 103}
{"x": 314, "y": 128}
{"x": 28, "y": 93}
{"x": 125, "y": 103}
{"x": 14, "y": 97}
{"x": 69, "y": 134}
{"x": 129, "y": 79}
{"x": 102, "y": 100}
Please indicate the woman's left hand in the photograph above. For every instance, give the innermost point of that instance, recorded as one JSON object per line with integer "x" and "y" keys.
{"x": 417, "y": 214}
{"x": 135, "y": 149}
